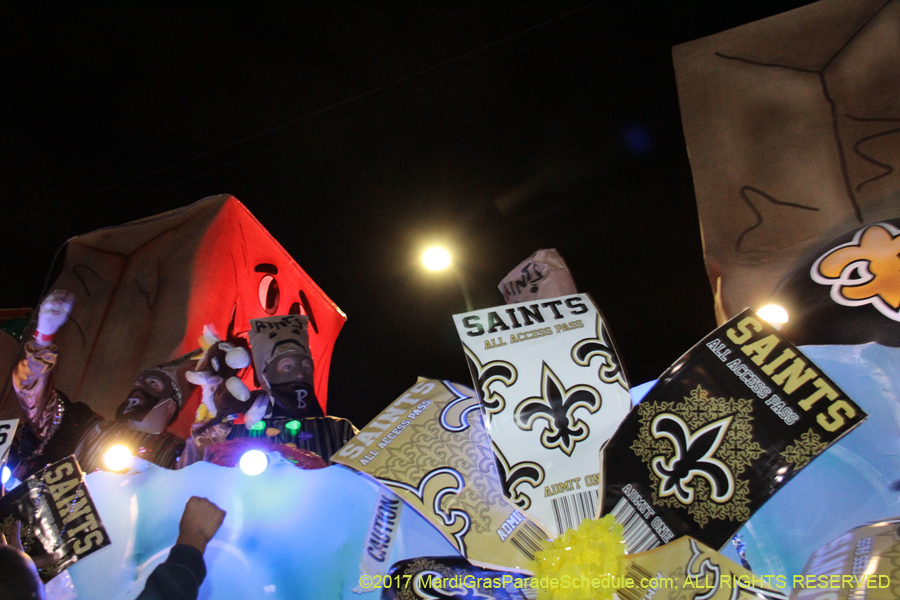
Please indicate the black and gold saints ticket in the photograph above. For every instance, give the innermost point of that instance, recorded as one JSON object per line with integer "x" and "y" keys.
{"x": 721, "y": 431}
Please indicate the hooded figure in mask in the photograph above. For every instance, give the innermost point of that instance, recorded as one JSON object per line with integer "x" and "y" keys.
{"x": 158, "y": 395}
{"x": 284, "y": 368}
{"x": 284, "y": 365}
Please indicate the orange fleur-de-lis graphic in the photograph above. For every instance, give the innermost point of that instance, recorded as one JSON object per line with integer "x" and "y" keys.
{"x": 865, "y": 270}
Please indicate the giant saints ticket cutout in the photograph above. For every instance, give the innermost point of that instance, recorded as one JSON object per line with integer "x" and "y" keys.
{"x": 723, "y": 429}
{"x": 430, "y": 448}
{"x": 552, "y": 391}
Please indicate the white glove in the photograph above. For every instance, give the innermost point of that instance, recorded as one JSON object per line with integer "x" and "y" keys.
{"x": 54, "y": 311}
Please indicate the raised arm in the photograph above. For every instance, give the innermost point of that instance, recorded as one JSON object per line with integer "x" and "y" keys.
{"x": 32, "y": 377}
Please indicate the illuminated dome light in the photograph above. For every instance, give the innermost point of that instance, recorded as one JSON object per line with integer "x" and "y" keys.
{"x": 436, "y": 258}
{"x": 254, "y": 462}
{"x": 118, "y": 458}
{"x": 775, "y": 315}
{"x": 6, "y": 474}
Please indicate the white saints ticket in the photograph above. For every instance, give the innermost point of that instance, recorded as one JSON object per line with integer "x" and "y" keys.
{"x": 552, "y": 391}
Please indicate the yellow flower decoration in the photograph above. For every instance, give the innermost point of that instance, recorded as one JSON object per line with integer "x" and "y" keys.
{"x": 594, "y": 550}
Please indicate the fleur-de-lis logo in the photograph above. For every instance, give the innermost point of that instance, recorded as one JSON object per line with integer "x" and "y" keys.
{"x": 454, "y": 416}
{"x": 557, "y": 405}
{"x": 584, "y": 352}
{"x": 700, "y": 568}
{"x": 511, "y": 477}
{"x": 486, "y": 375}
{"x": 431, "y": 491}
{"x": 704, "y": 572}
{"x": 692, "y": 457}
{"x": 865, "y": 270}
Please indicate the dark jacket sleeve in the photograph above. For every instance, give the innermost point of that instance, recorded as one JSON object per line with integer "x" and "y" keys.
{"x": 178, "y": 578}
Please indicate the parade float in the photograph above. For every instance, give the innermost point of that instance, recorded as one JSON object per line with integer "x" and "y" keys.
{"x": 763, "y": 463}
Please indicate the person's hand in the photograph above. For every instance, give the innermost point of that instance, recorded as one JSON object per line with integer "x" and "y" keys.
{"x": 16, "y": 541}
{"x": 54, "y": 311}
{"x": 199, "y": 523}
{"x": 40, "y": 558}
{"x": 19, "y": 573}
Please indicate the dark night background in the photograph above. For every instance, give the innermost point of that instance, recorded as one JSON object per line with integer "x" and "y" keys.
{"x": 358, "y": 131}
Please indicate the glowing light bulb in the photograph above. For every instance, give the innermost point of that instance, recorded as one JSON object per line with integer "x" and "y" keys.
{"x": 254, "y": 462}
{"x": 118, "y": 458}
{"x": 775, "y": 315}
{"x": 6, "y": 474}
{"x": 436, "y": 258}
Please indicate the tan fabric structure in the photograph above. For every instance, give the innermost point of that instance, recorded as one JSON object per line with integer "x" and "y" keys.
{"x": 792, "y": 125}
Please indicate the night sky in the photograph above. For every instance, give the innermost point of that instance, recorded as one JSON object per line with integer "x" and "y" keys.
{"x": 358, "y": 131}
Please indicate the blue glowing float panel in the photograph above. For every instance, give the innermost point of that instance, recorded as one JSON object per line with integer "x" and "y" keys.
{"x": 288, "y": 534}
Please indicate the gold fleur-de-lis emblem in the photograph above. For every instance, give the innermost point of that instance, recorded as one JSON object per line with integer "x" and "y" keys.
{"x": 865, "y": 270}
{"x": 557, "y": 405}
{"x": 431, "y": 492}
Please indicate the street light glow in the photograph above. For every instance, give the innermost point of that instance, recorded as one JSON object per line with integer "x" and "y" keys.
{"x": 436, "y": 258}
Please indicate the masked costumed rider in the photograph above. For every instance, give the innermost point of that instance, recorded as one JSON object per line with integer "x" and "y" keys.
{"x": 58, "y": 427}
{"x": 284, "y": 367}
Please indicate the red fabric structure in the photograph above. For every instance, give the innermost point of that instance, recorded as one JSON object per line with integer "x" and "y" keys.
{"x": 145, "y": 290}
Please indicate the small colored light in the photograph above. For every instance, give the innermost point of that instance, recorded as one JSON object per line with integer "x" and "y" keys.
{"x": 436, "y": 259}
{"x": 292, "y": 425}
{"x": 254, "y": 462}
{"x": 6, "y": 475}
{"x": 118, "y": 458}
{"x": 259, "y": 426}
{"x": 775, "y": 315}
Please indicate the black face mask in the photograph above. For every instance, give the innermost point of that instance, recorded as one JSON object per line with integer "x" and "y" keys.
{"x": 295, "y": 400}
{"x": 136, "y": 407}
{"x": 290, "y": 366}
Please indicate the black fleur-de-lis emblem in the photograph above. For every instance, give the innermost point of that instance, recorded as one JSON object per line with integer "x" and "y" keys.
{"x": 486, "y": 375}
{"x": 584, "y": 352}
{"x": 512, "y": 476}
{"x": 557, "y": 405}
{"x": 692, "y": 457}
